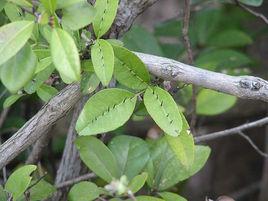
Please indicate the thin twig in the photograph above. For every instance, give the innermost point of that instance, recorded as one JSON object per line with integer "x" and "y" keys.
{"x": 187, "y": 43}
{"x": 256, "y": 14}
{"x": 231, "y": 131}
{"x": 76, "y": 180}
{"x": 36, "y": 182}
{"x": 253, "y": 144}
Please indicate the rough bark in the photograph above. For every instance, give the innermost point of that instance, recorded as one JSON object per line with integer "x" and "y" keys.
{"x": 70, "y": 166}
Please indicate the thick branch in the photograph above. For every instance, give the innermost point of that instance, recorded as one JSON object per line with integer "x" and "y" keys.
{"x": 241, "y": 86}
{"x": 55, "y": 109}
{"x": 247, "y": 87}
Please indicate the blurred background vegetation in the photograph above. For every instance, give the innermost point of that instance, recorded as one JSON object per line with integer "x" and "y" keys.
{"x": 225, "y": 39}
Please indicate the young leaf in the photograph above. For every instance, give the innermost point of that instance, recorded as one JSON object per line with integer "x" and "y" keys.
{"x": 13, "y": 37}
{"x": 41, "y": 191}
{"x": 78, "y": 15}
{"x": 18, "y": 70}
{"x": 11, "y": 100}
{"x": 46, "y": 92}
{"x": 131, "y": 153}
{"x": 65, "y": 56}
{"x": 50, "y": 5}
{"x": 171, "y": 196}
{"x": 212, "y": 103}
{"x": 83, "y": 191}
{"x": 97, "y": 157}
{"x": 19, "y": 180}
{"x": 130, "y": 70}
{"x": 163, "y": 109}
{"x": 106, "y": 12}
{"x": 103, "y": 60}
{"x": 106, "y": 111}
{"x": 252, "y": 2}
{"x": 137, "y": 182}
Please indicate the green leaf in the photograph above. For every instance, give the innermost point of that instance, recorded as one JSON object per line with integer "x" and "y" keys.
{"x": 11, "y": 100}
{"x": 43, "y": 64}
{"x": 19, "y": 181}
{"x": 65, "y": 56}
{"x": 252, "y": 2}
{"x": 140, "y": 40}
{"x": 103, "y": 60}
{"x": 68, "y": 3}
{"x": 171, "y": 196}
{"x": 39, "y": 79}
{"x": 212, "y": 103}
{"x": 97, "y": 157}
{"x": 13, "y": 12}
{"x": 162, "y": 176}
{"x": 137, "y": 182}
{"x": 23, "y": 3}
{"x": 163, "y": 109}
{"x": 99, "y": 112}
{"x": 169, "y": 28}
{"x": 2, "y": 5}
{"x": 46, "y": 92}
{"x": 222, "y": 59}
{"x": 18, "y": 70}
{"x": 42, "y": 190}
{"x": 78, "y": 16}
{"x": 230, "y": 38}
{"x": 106, "y": 12}
{"x": 148, "y": 198}
{"x": 130, "y": 70}
{"x": 201, "y": 156}
{"x": 3, "y": 194}
{"x": 50, "y": 5}
{"x": 89, "y": 82}
{"x": 131, "y": 153}
{"x": 13, "y": 37}
{"x": 83, "y": 191}
{"x": 183, "y": 147}
{"x": 205, "y": 24}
